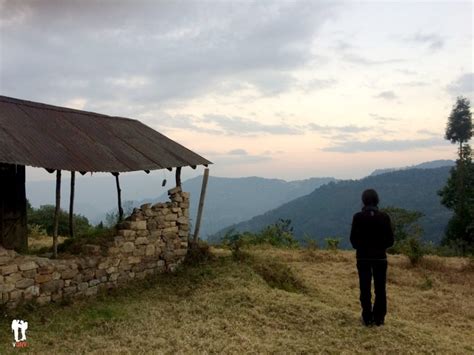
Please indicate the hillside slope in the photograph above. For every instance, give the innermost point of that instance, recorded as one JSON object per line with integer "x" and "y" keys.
{"x": 229, "y": 307}
{"x": 328, "y": 210}
{"x": 232, "y": 200}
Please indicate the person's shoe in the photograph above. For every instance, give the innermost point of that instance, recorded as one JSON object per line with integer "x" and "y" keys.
{"x": 366, "y": 322}
{"x": 378, "y": 322}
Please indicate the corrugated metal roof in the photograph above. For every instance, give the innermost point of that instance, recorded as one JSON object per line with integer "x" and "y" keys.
{"x": 55, "y": 137}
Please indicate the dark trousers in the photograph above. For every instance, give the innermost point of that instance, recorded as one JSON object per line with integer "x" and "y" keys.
{"x": 377, "y": 269}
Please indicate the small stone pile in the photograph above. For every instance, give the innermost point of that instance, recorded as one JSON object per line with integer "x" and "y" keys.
{"x": 154, "y": 239}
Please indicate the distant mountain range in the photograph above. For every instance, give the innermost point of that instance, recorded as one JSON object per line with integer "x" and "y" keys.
{"x": 327, "y": 211}
{"x": 232, "y": 200}
{"x": 228, "y": 200}
{"x": 427, "y": 165}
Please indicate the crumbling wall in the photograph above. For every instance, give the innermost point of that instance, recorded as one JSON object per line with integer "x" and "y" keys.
{"x": 154, "y": 239}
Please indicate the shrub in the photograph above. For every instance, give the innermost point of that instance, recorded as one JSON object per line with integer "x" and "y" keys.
{"x": 198, "y": 253}
{"x": 413, "y": 249}
{"x": 310, "y": 243}
{"x": 332, "y": 243}
{"x": 279, "y": 234}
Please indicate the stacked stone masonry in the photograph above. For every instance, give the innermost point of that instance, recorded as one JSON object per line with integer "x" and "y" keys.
{"x": 154, "y": 239}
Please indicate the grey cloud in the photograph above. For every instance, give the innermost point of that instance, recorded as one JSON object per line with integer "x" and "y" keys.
{"x": 382, "y": 118}
{"x": 357, "y": 59}
{"x": 387, "y": 95}
{"x": 380, "y": 145}
{"x": 462, "y": 85}
{"x": 337, "y": 129}
{"x": 237, "y": 152}
{"x": 242, "y": 126}
{"x": 153, "y": 52}
{"x": 431, "y": 40}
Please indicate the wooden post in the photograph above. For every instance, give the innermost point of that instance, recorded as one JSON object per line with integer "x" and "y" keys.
{"x": 119, "y": 195}
{"x": 178, "y": 176}
{"x": 71, "y": 205}
{"x": 201, "y": 206}
{"x": 56, "y": 213}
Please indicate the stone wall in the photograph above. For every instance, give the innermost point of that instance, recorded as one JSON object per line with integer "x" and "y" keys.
{"x": 154, "y": 239}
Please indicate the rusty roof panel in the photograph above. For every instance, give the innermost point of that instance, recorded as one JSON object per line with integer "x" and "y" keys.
{"x": 54, "y": 137}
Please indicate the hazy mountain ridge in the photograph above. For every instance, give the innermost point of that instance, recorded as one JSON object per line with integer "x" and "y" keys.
{"x": 327, "y": 211}
{"x": 228, "y": 200}
{"x": 232, "y": 200}
{"x": 426, "y": 165}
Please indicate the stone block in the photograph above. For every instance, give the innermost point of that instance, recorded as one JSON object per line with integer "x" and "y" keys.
{"x": 52, "y": 286}
{"x": 16, "y": 295}
{"x": 174, "y": 190}
{"x": 13, "y": 278}
{"x": 100, "y": 273}
{"x": 5, "y": 288}
{"x": 138, "y": 225}
{"x": 29, "y": 274}
{"x": 42, "y": 278}
{"x": 145, "y": 206}
{"x": 94, "y": 282}
{"x": 31, "y": 291}
{"x": 140, "y": 251}
{"x": 82, "y": 286}
{"x": 150, "y": 250}
{"x": 70, "y": 290}
{"x": 24, "y": 283}
{"x": 4, "y": 260}
{"x": 28, "y": 265}
{"x": 8, "y": 269}
{"x": 133, "y": 259}
{"x": 69, "y": 274}
{"x": 128, "y": 247}
{"x": 113, "y": 251}
{"x": 171, "y": 217}
{"x": 127, "y": 233}
{"x": 182, "y": 220}
{"x": 141, "y": 241}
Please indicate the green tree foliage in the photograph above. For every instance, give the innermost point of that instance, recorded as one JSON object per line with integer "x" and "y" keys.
{"x": 458, "y": 193}
{"x": 459, "y": 128}
{"x": 279, "y": 234}
{"x": 407, "y": 233}
{"x": 44, "y": 217}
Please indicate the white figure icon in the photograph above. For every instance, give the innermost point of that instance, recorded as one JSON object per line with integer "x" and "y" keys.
{"x": 21, "y": 325}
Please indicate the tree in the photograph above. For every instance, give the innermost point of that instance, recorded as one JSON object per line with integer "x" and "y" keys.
{"x": 458, "y": 194}
{"x": 44, "y": 217}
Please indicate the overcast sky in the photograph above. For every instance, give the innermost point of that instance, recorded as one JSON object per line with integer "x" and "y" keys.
{"x": 268, "y": 88}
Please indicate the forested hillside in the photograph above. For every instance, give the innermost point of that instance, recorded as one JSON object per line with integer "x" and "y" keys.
{"x": 327, "y": 211}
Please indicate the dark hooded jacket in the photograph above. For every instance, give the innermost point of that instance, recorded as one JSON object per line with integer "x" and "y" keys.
{"x": 371, "y": 233}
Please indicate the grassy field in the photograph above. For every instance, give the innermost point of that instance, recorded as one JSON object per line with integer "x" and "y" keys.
{"x": 271, "y": 301}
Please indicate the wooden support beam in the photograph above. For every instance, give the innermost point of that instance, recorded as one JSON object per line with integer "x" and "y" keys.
{"x": 201, "y": 206}
{"x": 56, "y": 213}
{"x": 119, "y": 196}
{"x": 71, "y": 205}
{"x": 178, "y": 176}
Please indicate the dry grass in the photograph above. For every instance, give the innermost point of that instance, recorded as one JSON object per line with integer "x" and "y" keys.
{"x": 38, "y": 242}
{"x": 224, "y": 306}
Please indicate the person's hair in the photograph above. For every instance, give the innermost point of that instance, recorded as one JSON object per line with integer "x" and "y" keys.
{"x": 370, "y": 198}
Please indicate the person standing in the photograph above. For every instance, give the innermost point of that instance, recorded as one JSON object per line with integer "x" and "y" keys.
{"x": 371, "y": 235}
